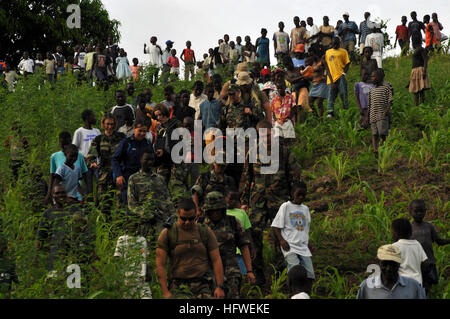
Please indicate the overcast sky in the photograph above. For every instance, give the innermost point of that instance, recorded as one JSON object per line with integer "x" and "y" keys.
{"x": 205, "y": 21}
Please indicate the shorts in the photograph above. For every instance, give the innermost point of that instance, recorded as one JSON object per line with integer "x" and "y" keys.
{"x": 319, "y": 90}
{"x": 380, "y": 127}
{"x": 349, "y": 46}
{"x": 175, "y": 70}
{"x": 296, "y": 259}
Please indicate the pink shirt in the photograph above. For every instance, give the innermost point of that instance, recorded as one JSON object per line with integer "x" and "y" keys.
{"x": 173, "y": 62}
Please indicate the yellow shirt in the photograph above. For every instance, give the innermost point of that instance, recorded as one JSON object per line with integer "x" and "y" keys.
{"x": 336, "y": 60}
{"x": 89, "y": 60}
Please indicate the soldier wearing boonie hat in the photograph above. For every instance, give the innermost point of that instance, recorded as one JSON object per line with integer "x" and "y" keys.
{"x": 230, "y": 234}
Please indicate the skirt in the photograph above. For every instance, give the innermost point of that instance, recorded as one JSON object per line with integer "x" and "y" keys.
{"x": 319, "y": 90}
{"x": 417, "y": 83}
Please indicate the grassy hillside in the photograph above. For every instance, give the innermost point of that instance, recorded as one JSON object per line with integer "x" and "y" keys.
{"x": 349, "y": 221}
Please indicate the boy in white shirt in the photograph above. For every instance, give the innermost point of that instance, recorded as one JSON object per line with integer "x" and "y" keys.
{"x": 291, "y": 226}
{"x": 414, "y": 258}
{"x": 83, "y": 138}
{"x": 26, "y": 65}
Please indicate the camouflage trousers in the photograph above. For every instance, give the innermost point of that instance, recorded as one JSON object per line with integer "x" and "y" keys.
{"x": 197, "y": 288}
{"x": 259, "y": 218}
{"x": 180, "y": 182}
{"x": 233, "y": 286}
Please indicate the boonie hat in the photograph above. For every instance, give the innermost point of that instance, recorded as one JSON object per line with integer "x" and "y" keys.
{"x": 389, "y": 252}
{"x": 214, "y": 200}
{"x": 244, "y": 78}
{"x": 241, "y": 67}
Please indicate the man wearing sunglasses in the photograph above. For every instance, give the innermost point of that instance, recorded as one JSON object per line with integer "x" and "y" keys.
{"x": 194, "y": 257}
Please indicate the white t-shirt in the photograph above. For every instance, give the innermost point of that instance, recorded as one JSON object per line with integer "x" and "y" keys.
{"x": 83, "y": 138}
{"x": 195, "y": 102}
{"x": 313, "y": 30}
{"x": 154, "y": 54}
{"x": 294, "y": 222}
{"x": 302, "y": 295}
{"x": 376, "y": 41}
{"x": 26, "y": 66}
{"x": 81, "y": 61}
{"x": 412, "y": 256}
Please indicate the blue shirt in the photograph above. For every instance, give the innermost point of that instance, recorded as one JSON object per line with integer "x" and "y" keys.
{"x": 127, "y": 157}
{"x": 210, "y": 113}
{"x": 58, "y": 158}
{"x": 404, "y": 288}
{"x": 347, "y": 35}
{"x": 298, "y": 62}
{"x": 70, "y": 178}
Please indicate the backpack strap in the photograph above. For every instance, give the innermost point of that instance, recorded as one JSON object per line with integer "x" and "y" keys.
{"x": 172, "y": 237}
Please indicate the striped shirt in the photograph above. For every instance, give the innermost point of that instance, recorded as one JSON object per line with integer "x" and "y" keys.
{"x": 380, "y": 98}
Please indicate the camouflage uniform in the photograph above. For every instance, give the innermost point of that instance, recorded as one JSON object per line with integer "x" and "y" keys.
{"x": 102, "y": 148}
{"x": 264, "y": 194}
{"x": 233, "y": 116}
{"x": 230, "y": 234}
{"x": 149, "y": 201}
{"x": 209, "y": 182}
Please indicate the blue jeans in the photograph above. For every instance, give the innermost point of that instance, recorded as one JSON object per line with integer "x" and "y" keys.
{"x": 295, "y": 259}
{"x": 341, "y": 88}
{"x": 241, "y": 265}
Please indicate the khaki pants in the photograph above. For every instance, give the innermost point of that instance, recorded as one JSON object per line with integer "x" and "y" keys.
{"x": 189, "y": 67}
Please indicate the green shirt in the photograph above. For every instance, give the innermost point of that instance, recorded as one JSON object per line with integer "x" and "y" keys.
{"x": 242, "y": 216}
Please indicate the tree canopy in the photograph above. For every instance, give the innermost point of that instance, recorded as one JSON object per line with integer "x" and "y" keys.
{"x": 41, "y": 25}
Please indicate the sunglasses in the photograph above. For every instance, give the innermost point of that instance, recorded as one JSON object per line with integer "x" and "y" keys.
{"x": 187, "y": 218}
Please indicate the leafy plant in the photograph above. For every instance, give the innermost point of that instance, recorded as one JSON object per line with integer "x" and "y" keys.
{"x": 338, "y": 166}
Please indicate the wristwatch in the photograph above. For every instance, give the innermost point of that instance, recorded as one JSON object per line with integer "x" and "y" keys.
{"x": 250, "y": 271}
{"x": 220, "y": 286}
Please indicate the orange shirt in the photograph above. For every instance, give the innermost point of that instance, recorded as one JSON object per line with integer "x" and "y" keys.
{"x": 428, "y": 40}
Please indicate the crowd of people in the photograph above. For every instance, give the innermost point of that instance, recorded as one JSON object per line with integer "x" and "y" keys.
{"x": 210, "y": 225}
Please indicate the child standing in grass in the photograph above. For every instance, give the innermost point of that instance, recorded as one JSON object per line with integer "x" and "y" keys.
{"x": 69, "y": 173}
{"x": 362, "y": 90}
{"x": 291, "y": 226}
{"x": 425, "y": 234}
{"x": 135, "y": 68}
{"x": 414, "y": 259}
{"x": 233, "y": 209}
{"x": 379, "y": 106}
{"x": 174, "y": 63}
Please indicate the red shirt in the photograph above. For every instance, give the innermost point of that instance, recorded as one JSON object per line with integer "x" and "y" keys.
{"x": 188, "y": 55}
{"x": 402, "y": 32}
{"x": 428, "y": 40}
{"x": 173, "y": 62}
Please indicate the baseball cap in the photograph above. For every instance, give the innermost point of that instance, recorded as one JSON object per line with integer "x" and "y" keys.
{"x": 265, "y": 71}
{"x": 346, "y": 14}
{"x": 389, "y": 252}
{"x": 169, "y": 42}
{"x": 300, "y": 48}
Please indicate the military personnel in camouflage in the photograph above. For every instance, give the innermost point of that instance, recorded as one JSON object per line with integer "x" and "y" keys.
{"x": 264, "y": 193}
{"x": 230, "y": 235}
{"x": 148, "y": 196}
{"x": 194, "y": 255}
{"x": 239, "y": 115}
{"x": 101, "y": 150}
{"x": 213, "y": 180}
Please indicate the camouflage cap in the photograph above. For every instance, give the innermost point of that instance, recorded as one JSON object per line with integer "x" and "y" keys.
{"x": 214, "y": 200}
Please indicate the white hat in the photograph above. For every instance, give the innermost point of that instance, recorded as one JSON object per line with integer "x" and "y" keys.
{"x": 346, "y": 14}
